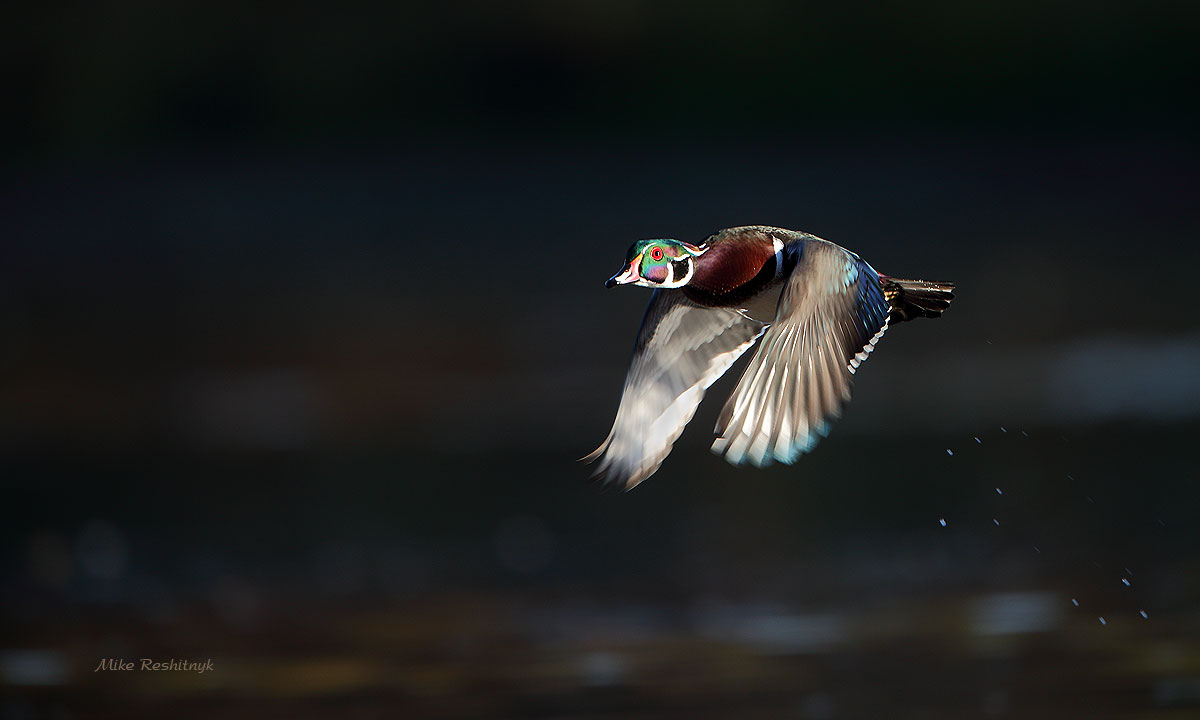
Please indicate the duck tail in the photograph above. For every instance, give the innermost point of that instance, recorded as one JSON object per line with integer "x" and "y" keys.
{"x": 908, "y": 299}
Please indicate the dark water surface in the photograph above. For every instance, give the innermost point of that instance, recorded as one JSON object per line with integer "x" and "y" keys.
{"x": 378, "y": 582}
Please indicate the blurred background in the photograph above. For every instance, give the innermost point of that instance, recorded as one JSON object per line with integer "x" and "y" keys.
{"x": 304, "y": 329}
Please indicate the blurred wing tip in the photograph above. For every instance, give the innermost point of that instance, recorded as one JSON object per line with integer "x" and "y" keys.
{"x": 611, "y": 481}
{"x": 739, "y": 452}
{"x": 593, "y": 456}
{"x": 612, "y": 474}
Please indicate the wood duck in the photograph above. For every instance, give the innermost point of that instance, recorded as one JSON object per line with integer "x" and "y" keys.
{"x": 818, "y": 308}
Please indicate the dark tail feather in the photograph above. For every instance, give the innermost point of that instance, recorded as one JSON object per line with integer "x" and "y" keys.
{"x": 910, "y": 299}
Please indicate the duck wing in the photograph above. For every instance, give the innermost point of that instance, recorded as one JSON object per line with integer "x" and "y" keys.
{"x": 682, "y": 348}
{"x": 831, "y": 313}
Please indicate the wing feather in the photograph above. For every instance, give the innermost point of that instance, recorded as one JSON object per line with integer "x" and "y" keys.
{"x": 831, "y": 313}
{"x": 682, "y": 349}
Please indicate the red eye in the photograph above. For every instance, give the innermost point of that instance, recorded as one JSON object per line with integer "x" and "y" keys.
{"x": 656, "y": 253}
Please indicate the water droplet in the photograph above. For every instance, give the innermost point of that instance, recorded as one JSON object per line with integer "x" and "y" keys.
{"x": 949, "y": 452}
{"x": 1143, "y": 614}
{"x": 999, "y": 491}
{"x": 978, "y": 441}
{"x": 1024, "y": 434}
{"x": 989, "y": 342}
{"x": 1037, "y": 549}
{"x": 1002, "y": 429}
{"x": 1128, "y": 572}
{"x": 1074, "y": 602}
{"x": 942, "y": 522}
{"x": 997, "y": 522}
{"x": 1103, "y": 621}
{"x": 1125, "y": 581}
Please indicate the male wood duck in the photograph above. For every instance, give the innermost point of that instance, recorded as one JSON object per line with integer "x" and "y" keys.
{"x": 818, "y": 308}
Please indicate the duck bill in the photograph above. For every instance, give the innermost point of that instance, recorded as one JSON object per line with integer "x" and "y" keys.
{"x": 627, "y": 276}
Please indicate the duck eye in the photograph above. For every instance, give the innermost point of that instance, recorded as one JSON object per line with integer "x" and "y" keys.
{"x": 656, "y": 254}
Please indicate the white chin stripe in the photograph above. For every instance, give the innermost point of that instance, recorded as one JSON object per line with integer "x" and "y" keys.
{"x": 671, "y": 282}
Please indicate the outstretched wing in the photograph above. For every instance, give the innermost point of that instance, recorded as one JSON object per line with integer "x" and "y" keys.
{"x": 681, "y": 349}
{"x": 830, "y": 315}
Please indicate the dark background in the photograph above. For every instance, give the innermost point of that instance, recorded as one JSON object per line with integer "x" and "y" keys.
{"x": 304, "y": 327}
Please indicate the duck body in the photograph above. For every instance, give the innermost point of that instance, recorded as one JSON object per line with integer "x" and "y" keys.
{"x": 818, "y": 309}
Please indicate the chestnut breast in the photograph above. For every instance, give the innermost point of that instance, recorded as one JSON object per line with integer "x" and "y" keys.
{"x": 733, "y": 270}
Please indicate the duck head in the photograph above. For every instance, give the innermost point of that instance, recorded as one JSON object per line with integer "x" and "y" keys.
{"x": 658, "y": 264}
